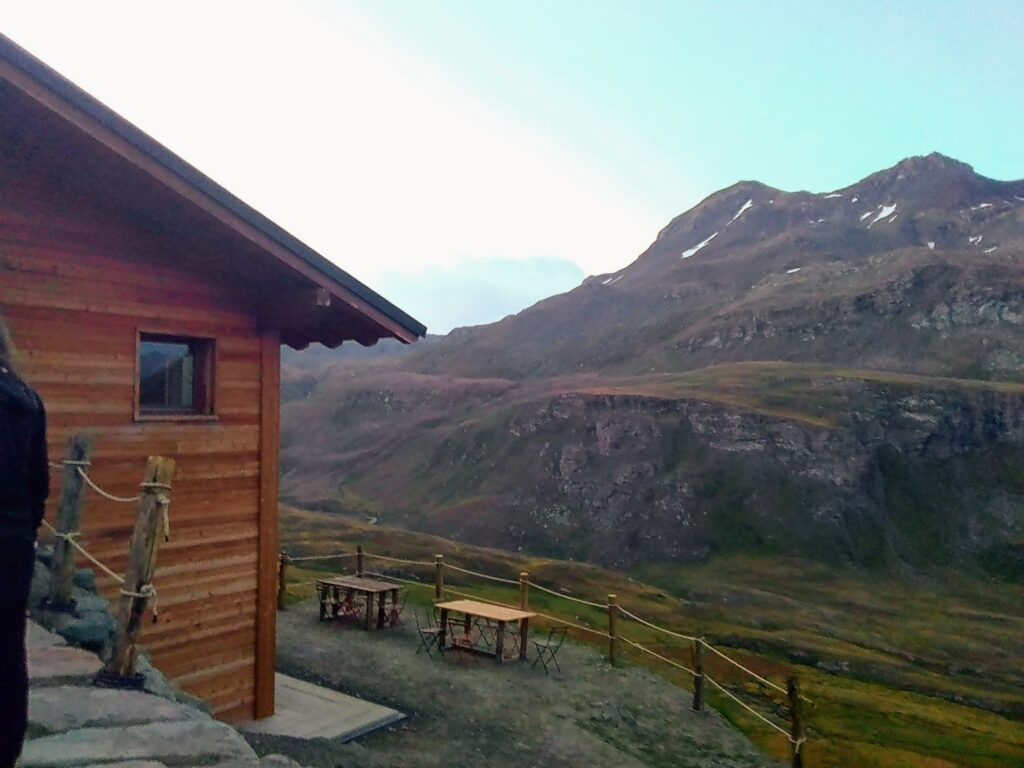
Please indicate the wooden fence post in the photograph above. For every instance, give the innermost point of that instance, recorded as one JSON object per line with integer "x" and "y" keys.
{"x": 796, "y": 721}
{"x": 150, "y": 526}
{"x": 524, "y": 591}
{"x": 698, "y": 678}
{"x": 438, "y": 577}
{"x": 68, "y": 523}
{"x": 613, "y": 615}
{"x": 359, "y": 560}
{"x": 282, "y": 581}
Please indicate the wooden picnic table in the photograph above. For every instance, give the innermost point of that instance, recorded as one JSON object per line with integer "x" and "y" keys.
{"x": 329, "y": 591}
{"x": 497, "y": 613}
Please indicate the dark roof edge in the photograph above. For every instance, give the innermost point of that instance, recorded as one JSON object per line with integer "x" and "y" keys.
{"x": 107, "y": 117}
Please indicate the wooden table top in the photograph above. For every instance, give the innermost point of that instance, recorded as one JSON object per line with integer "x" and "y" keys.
{"x": 360, "y": 583}
{"x": 486, "y": 610}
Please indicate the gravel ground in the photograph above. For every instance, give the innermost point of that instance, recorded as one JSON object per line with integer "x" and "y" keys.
{"x": 591, "y": 715}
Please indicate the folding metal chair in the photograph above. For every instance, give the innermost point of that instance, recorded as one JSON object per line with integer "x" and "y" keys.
{"x": 462, "y": 642}
{"x": 395, "y": 617}
{"x": 487, "y": 630}
{"x": 428, "y": 636}
{"x": 511, "y": 645}
{"x": 547, "y": 650}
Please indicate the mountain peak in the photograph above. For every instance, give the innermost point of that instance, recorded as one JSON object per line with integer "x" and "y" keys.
{"x": 934, "y": 163}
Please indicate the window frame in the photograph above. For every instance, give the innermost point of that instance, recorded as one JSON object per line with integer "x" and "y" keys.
{"x": 206, "y": 389}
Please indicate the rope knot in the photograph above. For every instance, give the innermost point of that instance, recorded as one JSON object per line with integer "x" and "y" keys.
{"x": 146, "y": 592}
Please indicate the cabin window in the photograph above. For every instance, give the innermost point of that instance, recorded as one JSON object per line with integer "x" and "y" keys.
{"x": 175, "y": 376}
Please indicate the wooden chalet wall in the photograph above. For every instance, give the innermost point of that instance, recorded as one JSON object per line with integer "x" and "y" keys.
{"x": 77, "y": 282}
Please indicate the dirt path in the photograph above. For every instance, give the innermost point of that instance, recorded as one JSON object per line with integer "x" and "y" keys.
{"x": 590, "y": 716}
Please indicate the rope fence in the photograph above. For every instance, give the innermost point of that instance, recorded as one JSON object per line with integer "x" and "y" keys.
{"x": 305, "y": 558}
{"x": 599, "y": 606}
{"x": 750, "y": 672}
{"x": 80, "y": 467}
{"x": 659, "y": 656}
{"x": 71, "y": 538}
{"x": 580, "y": 627}
{"x": 634, "y": 617}
{"x": 612, "y": 635}
{"x": 750, "y": 709}
{"x": 480, "y": 575}
{"x": 147, "y": 591}
{"x": 389, "y": 559}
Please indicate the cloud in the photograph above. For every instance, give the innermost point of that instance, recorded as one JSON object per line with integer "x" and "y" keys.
{"x": 478, "y": 291}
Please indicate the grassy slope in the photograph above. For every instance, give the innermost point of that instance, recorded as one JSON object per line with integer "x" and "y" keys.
{"x": 927, "y": 662}
{"x": 460, "y": 462}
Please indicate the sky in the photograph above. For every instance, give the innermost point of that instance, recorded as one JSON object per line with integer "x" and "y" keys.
{"x": 467, "y": 158}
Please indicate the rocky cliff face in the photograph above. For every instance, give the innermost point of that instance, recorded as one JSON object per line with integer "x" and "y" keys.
{"x": 813, "y": 462}
{"x": 626, "y": 478}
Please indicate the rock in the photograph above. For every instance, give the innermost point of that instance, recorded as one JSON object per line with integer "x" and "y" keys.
{"x": 278, "y": 761}
{"x": 194, "y": 742}
{"x": 90, "y": 629}
{"x": 58, "y": 709}
{"x": 85, "y": 578}
{"x": 128, "y": 764}
{"x": 156, "y": 684}
{"x": 45, "y": 554}
{"x": 87, "y": 602}
{"x": 42, "y": 638}
{"x": 61, "y": 665}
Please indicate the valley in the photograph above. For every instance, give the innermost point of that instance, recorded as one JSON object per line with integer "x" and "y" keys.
{"x": 794, "y": 423}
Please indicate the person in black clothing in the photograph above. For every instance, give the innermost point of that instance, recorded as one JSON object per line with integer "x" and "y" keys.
{"x": 24, "y": 486}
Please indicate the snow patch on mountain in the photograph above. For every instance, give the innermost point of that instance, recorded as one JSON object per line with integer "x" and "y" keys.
{"x": 743, "y": 209}
{"x": 885, "y": 212}
{"x": 691, "y": 251}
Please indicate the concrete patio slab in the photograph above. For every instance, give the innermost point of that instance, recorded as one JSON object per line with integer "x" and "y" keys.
{"x": 307, "y": 711}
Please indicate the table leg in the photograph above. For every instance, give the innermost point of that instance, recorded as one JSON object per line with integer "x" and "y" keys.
{"x": 394, "y": 606}
{"x": 444, "y": 629}
{"x": 524, "y": 629}
{"x": 335, "y": 602}
{"x": 380, "y": 609}
{"x": 322, "y": 592}
{"x": 499, "y": 642}
{"x": 369, "y": 610}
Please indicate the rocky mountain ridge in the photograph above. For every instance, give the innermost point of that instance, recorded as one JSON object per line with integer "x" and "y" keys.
{"x": 895, "y": 246}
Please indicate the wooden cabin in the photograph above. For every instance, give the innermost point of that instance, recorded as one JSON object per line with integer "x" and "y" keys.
{"x": 149, "y": 305}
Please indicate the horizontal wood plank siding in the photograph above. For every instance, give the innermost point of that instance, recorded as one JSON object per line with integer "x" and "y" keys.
{"x": 75, "y": 287}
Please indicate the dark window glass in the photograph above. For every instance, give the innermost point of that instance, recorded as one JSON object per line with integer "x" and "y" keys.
{"x": 173, "y": 375}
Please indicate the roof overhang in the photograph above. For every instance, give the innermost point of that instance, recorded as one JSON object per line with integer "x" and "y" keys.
{"x": 335, "y": 306}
